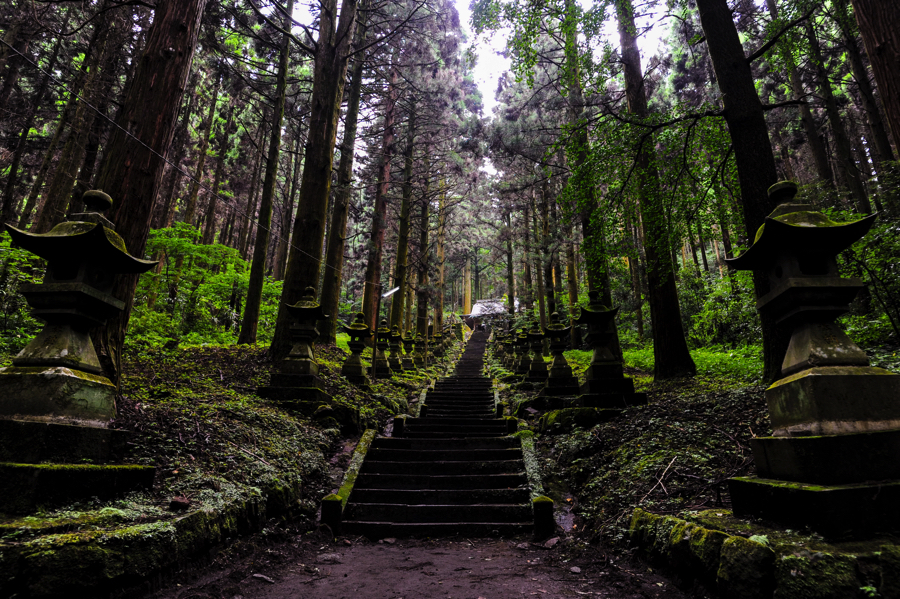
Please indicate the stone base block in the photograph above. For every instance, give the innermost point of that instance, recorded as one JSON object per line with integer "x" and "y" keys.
{"x": 612, "y": 400}
{"x": 56, "y": 394}
{"x": 563, "y": 420}
{"x": 288, "y": 394}
{"x": 408, "y": 364}
{"x": 27, "y": 442}
{"x": 620, "y": 385}
{"x": 832, "y": 510}
{"x": 28, "y": 486}
{"x": 560, "y": 386}
{"x": 835, "y": 400}
{"x": 829, "y": 459}
{"x": 297, "y": 380}
{"x": 361, "y": 381}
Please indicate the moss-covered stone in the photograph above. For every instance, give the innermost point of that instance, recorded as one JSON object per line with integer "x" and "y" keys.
{"x": 816, "y": 575}
{"x": 564, "y": 420}
{"x": 745, "y": 569}
{"x": 889, "y": 562}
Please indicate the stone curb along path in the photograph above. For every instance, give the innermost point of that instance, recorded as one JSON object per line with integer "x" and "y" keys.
{"x": 454, "y": 469}
{"x": 739, "y": 559}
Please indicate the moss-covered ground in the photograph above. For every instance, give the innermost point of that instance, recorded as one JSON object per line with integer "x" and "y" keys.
{"x": 670, "y": 456}
{"x": 218, "y": 446}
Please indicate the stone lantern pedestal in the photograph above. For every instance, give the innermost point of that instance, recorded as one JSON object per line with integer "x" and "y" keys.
{"x": 396, "y": 355}
{"x": 297, "y": 378}
{"x": 606, "y": 385}
{"x": 409, "y": 344}
{"x": 55, "y": 401}
{"x": 522, "y": 358}
{"x": 537, "y": 370}
{"x": 381, "y": 367}
{"x": 421, "y": 349}
{"x": 833, "y": 462}
{"x": 353, "y": 367}
{"x": 438, "y": 340}
{"x": 560, "y": 380}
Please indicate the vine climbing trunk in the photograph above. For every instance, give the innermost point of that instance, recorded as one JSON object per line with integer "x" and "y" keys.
{"x": 670, "y": 352}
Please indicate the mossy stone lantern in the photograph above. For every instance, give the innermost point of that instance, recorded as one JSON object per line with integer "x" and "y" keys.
{"x": 298, "y": 374}
{"x": 523, "y": 360}
{"x": 409, "y": 345}
{"x": 606, "y": 385}
{"x": 836, "y": 420}
{"x": 55, "y": 402}
{"x": 537, "y": 369}
{"x": 396, "y": 343}
{"x": 438, "y": 340}
{"x": 560, "y": 380}
{"x": 418, "y": 355}
{"x": 57, "y": 377}
{"x": 381, "y": 368}
{"x": 353, "y": 367}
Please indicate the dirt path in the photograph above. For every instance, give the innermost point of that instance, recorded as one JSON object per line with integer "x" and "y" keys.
{"x": 305, "y": 567}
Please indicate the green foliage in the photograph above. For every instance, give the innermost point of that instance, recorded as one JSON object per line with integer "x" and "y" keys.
{"x": 17, "y": 267}
{"x": 200, "y": 303}
{"x": 741, "y": 364}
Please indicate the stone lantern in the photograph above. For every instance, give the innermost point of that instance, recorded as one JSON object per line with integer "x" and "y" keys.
{"x": 409, "y": 344}
{"x": 55, "y": 401}
{"x": 560, "y": 381}
{"x": 353, "y": 367}
{"x": 395, "y": 344}
{"x": 418, "y": 358}
{"x": 381, "y": 368}
{"x": 438, "y": 339}
{"x": 832, "y": 462}
{"x": 523, "y": 360}
{"x": 537, "y": 370}
{"x": 298, "y": 374}
{"x": 606, "y": 385}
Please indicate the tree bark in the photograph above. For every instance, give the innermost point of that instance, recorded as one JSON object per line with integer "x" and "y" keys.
{"x": 247, "y": 227}
{"x": 671, "y": 356}
{"x": 400, "y": 272}
{"x": 287, "y": 216}
{"x": 376, "y": 237}
{"x": 8, "y": 210}
{"x": 250, "y": 321}
{"x": 442, "y": 222}
{"x": 422, "y": 291}
{"x": 879, "y": 26}
{"x": 752, "y": 151}
{"x": 847, "y": 169}
{"x": 337, "y": 235}
{"x": 209, "y": 232}
{"x": 131, "y": 171}
{"x": 329, "y": 74}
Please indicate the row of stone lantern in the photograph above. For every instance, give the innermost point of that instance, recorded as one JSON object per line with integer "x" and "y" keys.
{"x": 605, "y": 387}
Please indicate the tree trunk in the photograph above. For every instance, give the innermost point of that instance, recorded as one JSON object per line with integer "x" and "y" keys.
{"x": 190, "y": 212}
{"x": 337, "y": 235}
{"x": 467, "y": 287}
{"x": 879, "y": 26}
{"x": 572, "y": 280}
{"x": 526, "y": 258}
{"x": 671, "y": 356}
{"x": 288, "y": 214}
{"x": 510, "y": 271}
{"x": 329, "y": 74}
{"x": 8, "y": 210}
{"x": 247, "y": 227}
{"x": 752, "y": 150}
{"x": 422, "y": 295}
{"x": 844, "y": 154}
{"x": 376, "y": 238}
{"x": 816, "y": 147}
{"x": 131, "y": 171}
{"x": 250, "y": 321}
{"x": 542, "y": 305}
{"x": 442, "y": 222}
{"x": 400, "y": 273}
{"x": 209, "y": 233}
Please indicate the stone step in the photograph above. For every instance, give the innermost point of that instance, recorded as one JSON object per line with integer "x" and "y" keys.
{"x": 446, "y": 455}
{"x": 381, "y": 530}
{"x": 432, "y": 468}
{"x": 422, "y": 481}
{"x": 440, "y": 496}
{"x": 438, "y": 443}
{"x": 395, "y": 512}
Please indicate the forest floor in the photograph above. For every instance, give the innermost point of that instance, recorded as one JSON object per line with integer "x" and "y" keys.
{"x": 287, "y": 563}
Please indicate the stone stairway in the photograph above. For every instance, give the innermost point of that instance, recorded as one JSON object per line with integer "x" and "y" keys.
{"x": 454, "y": 470}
